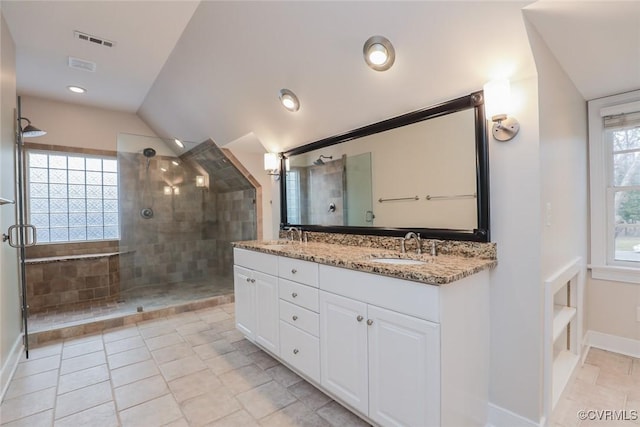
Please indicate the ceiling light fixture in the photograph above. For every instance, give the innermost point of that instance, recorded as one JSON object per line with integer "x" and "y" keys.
{"x": 379, "y": 53}
{"x": 178, "y": 143}
{"x": 289, "y": 100}
{"x": 76, "y": 89}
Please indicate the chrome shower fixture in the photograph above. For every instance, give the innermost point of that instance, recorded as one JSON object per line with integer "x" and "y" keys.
{"x": 320, "y": 162}
{"x": 149, "y": 152}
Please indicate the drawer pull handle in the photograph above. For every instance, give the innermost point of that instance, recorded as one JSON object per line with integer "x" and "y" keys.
{"x": 369, "y": 322}
{"x": 294, "y": 294}
{"x": 295, "y": 318}
{"x": 248, "y": 280}
{"x": 359, "y": 318}
{"x": 294, "y": 271}
{"x": 296, "y": 351}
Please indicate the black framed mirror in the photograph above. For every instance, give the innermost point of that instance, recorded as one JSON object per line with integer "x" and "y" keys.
{"x": 425, "y": 171}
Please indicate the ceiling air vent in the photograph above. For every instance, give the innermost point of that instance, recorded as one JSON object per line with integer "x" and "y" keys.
{"x": 93, "y": 39}
{"x": 82, "y": 64}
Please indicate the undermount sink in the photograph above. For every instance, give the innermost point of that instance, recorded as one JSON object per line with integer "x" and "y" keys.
{"x": 399, "y": 261}
{"x": 279, "y": 244}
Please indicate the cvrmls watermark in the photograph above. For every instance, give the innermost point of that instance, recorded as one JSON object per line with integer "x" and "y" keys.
{"x": 608, "y": 415}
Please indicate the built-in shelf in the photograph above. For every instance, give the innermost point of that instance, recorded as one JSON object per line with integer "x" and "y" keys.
{"x": 562, "y": 316}
{"x": 563, "y": 365}
{"x": 4, "y": 201}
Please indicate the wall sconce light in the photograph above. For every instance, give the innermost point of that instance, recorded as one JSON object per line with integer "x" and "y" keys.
{"x": 272, "y": 164}
{"x": 289, "y": 100}
{"x": 30, "y": 131}
{"x": 497, "y": 96}
{"x": 379, "y": 53}
{"x": 200, "y": 181}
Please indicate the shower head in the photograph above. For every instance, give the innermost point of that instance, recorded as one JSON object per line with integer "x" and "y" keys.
{"x": 149, "y": 152}
{"x": 320, "y": 162}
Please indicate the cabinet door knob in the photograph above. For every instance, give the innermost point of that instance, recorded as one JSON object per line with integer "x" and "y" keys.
{"x": 359, "y": 318}
{"x": 248, "y": 279}
{"x": 295, "y": 318}
{"x": 369, "y": 322}
{"x": 253, "y": 280}
{"x": 296, "y": 351}
{"x": 294, "y": 294}
{"x": 294, "y": 271}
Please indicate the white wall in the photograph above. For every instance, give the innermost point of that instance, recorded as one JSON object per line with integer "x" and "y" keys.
{"x": 10, "y": 319}
{"x": 74, "y": 125}
{"x": 612, "y": 308}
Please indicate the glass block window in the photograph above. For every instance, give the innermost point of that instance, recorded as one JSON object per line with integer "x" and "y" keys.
{"x": 72, "y": 197}
{"x": 293, "y": 196}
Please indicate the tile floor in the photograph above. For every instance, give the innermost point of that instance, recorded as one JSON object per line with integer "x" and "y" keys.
{"x": 190, "y": 369}
{"x": 606, "y": 381}
{"x": 148, "y": 297}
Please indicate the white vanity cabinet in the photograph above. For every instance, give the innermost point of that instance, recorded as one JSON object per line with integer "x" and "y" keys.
{"x": 256, "y": 295}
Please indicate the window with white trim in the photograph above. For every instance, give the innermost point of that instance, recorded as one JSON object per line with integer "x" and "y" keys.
{"x": 72, "y": 197}
{"x": 614, "y": 151}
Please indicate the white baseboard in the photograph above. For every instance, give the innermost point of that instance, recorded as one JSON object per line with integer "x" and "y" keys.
{"x": 500, "y": 417}
{"x": 10, "y": 365}
{"x": 614, "y": 343}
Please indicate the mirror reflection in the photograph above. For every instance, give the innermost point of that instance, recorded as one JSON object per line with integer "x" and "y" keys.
{"x": 415, "y": 176}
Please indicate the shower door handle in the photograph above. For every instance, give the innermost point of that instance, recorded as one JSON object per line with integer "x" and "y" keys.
{"x": 12, "y": 236}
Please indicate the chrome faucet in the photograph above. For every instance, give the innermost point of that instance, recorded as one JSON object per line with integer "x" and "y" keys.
{"x": 291, "y": 231}
{"x": 433, "y": 248}
{"x": 411, "y": 235}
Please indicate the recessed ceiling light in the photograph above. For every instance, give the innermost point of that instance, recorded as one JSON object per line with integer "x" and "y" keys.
{"x": 163, "y": 169}
{"x": 76, "y": 89}
{"x": 379, "y": 53}
{"x": 178, "y": 143}
{"x": 175, "y": 162}
{"x": 289, "y": 100}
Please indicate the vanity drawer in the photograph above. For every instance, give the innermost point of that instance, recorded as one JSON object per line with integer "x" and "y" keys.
{"x": 300, "y": 317}
{"x": 299, "y": 271}
{"x": 265, "y": 263}
{"x": 302, "y": 295}
{"x": 300, "y": 350}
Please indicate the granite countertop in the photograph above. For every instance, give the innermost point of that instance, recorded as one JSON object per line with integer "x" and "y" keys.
{"x": 438, "y": 270}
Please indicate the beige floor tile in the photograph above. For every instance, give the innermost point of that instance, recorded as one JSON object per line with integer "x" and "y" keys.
{"x": 309, "y": 395}
{"x": 183, "y": 318}
{"x": 263, "y": 360}
{"x": 156, "y": 412}
{"x": 588, "y": 373}
{"x": 84, "y": 398}
{"x": 36, "y": 366}
{"x": 82, "y": 339}
{"x": 193, "y": 385}
{"x": 84, "y": 378}
{"x": 227, "y": 362}
{"x": 28, "y": 404}
{"x": 215, "y": 316}
{"x": 209, "y": 407}
{"x": 566, "y": 412}
{"x": 85, "y": 361}
{"x": 203, "y": 337}
{"x": 182, "y": 422}
{"x": 25, "y": 385}
{"x": 609, "y": 361}
{"x": 245, "y": 378}
{"x": 246, "y": 347}
{"x": 45, "y": 350}
{"x": 134, "y": 372}
{"x": 238, "y": 419}
{"x": 82, "y": 348}
{"x": 99, "y": 416}
{"x": 154, "y": 323}
{"x": 337, "y": 416}
{"x": 232, "y": 335}
{"x": 128, "y": 357}
{"x": 213, "y": 349}
{"x": 155, "y": 331}
{"x": 631, "y": 406}
{"x": 124, "y": 344}
{"x": 283, "y": 375}
{"x": 595, "y": 396}
{"x": 172, "y": 352}
{"x": 140, "y": 391}
{"x": 181, "y": 367}
{"x": 620, "y": 382}
{"x": 41, "y": 419}
{"x": 265, "y": 399}
{"x": 294, "y": 415}
{"x": 192, "y": 328}
{"x": 120, "y": 334}
{"x": 163, "y": 340}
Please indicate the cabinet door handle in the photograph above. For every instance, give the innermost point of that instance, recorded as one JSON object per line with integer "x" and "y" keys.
{"x": 369, "y": 322}
{"x": 296, "y": 351}
{"x": 359, "y": 318}
{"x": 294, "y": 271}
{"x": 295, "y": 317}
{"x": 248, "y": 280}
{"x": 253, "y": 280}
{"x": 294, "y": 294}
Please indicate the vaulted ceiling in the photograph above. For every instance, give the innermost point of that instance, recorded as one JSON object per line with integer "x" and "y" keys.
{"x": 213, "y": 69}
